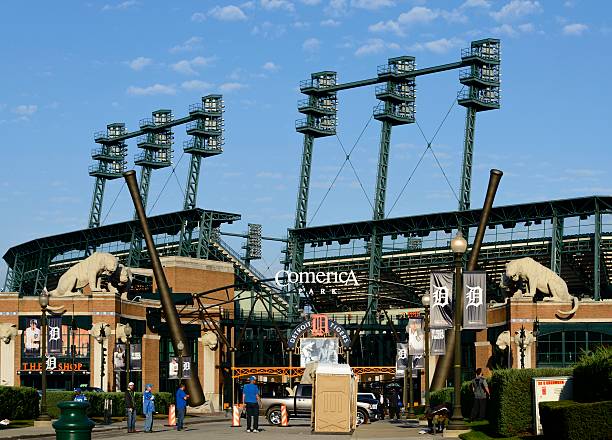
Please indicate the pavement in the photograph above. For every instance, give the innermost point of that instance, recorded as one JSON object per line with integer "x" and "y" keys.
{"x": 218, "y": 427}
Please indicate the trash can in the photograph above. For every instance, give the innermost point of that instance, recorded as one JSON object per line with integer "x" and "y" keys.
{"x": 73, "y": 423}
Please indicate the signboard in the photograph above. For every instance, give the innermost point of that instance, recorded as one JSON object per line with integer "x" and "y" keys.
{"x": 437, "y": 342}
{"x": 321, "y": 350}
{"x": 416, "y": 336}
{"x": 441, "y": 294}
{"x": 319, "y": 325}
{"x": 135, "y": 357}
{"x": 474, "y": 300}
{"x": 119, "y": 358}
{"x": 53, "y": 364}
{"x": 549, "y": 389}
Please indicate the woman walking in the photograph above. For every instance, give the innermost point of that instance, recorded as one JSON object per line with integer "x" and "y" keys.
{"x": 148, "y": 407}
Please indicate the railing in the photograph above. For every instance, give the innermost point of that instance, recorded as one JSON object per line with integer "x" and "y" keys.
{"x": 153, "y": 158}
{"x": 208, "y": 107}
{"x": 405, "y": 112}
{"x": 492, "y": 77}
{"x": 100, "y": 135}
{"x": 115, "y": 155}
{"x": 146, "y": 122}
{"x": 203, "y": 146}
{"x": 100, "y": 168}
{"x": 486, "y": 96}
{"x": 306, "y": 103}
{"x": 379, "y": 90}
{"x": 489, "y": 53}
{"x": 316, "y": 83}
{"x": 303, "y": 123}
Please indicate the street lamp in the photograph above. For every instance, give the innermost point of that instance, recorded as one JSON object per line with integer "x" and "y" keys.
{"x": 128, "y": 334}
{"x": 180, "y": 347}
{"x": 458, "y": 246}
{"x": 425, "y": 299}
{"x": 43, "y": 300}
{"x": 100, "y": 338}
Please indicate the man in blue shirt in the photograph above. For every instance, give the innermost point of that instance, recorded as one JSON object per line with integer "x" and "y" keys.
{"x": 181, "y": 406}
{"x": 250, "y": 398}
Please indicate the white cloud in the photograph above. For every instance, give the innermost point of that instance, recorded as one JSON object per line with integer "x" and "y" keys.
{"x": 311, "y": 2}
{"x": 269, "y": 30}
{"x": 373, "y": 46}
{"x": 187, "y": 67}
{"x": 231, "y": 86}
{"x": 139, "y": 63}
{"x": 227, "y": 13}
{"x": 120, "y": 6}
{"x": 311, "y": 45}
{"x": 476, "y": 4}
{"x": 155, "y": 89}
{"x": 197, "y": 85}
{"x": 418, "y": 15}
{"x": 439, "y": 46}
{"x": 330, "y": 23}
{"x": 25, "y": 109}
{"x": 575, "y": 29}
{"x": 301, "y": 24}
{"x": 336, "y": 8}
{"x": 189, "y": 45}
{"x": 505, "y": 29}
{"x": 526, "y": 27}
{"x": 517, "y": 9}
{"x": 270, "y": 66}
{"x": 387, "y": 26}
{"x": 198, "y": 17}
{"x": 277, "y": 4}
{"x": 372, "y": 4}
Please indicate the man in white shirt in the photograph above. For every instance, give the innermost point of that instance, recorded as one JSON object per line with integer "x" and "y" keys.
{"x": 32, "y": 338}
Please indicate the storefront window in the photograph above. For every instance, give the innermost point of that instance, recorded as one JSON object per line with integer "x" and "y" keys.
{"x": 564, "y": 348}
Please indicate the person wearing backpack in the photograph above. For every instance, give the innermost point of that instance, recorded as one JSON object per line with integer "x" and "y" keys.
{"x": 480, "y": 388}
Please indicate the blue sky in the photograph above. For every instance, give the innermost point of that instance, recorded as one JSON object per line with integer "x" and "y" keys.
{"x": 72, "y": 67}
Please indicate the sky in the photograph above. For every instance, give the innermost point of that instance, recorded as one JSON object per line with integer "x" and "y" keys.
{"x": 70, "y": 68}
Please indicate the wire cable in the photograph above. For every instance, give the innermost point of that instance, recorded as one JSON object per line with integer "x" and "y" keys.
{"x": 113, "y": 204}
{"x": 166, "y": 183}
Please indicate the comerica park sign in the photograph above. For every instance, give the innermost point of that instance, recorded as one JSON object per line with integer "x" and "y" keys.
{"x": 285, "y": 278}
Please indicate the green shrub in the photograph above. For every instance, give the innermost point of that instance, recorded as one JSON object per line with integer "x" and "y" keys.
{"x": 510, "y": 408}
{"x": 593, "y": 376}
{"x": 96, "y": 402}
{"x": 18, "y": 403}
{"x": 569, "y": 420}
{"x": 445, "y": 395}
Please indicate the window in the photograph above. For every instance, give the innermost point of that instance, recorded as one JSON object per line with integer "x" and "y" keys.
{"x": 564, "y": 348}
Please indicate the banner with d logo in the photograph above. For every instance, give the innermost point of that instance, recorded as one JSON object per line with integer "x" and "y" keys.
{"x": 475, "y": 300}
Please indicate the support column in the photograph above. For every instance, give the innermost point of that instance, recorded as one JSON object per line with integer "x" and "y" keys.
{"x": 466, "y": 168}
{"x": 7, "y": 363}
{"x": 150, "y": 360}
{"x": 597, "y": 256}
{"x": 96, "y": 203}
{"x": 210, "y": 377}
{"x": 191, "y": 195}
{"x": 205, "y": 235}
{"x": 556, "y": 244}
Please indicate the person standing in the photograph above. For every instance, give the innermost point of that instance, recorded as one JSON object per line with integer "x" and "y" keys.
{"x": 394, "y": 408}
{"x": 480, "y": 388}
{"x": 148, "y": 407}
{"x": 181, "y": 406}
{"x": 130, "y": 407}
{"x": 251, "y": 398}
{"x": 79, "y": 396}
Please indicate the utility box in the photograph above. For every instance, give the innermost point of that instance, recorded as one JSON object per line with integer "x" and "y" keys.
{"x": 334, "y": 400}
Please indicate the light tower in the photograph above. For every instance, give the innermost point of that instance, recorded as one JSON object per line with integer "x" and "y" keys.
{"x": 110, "y": 157}
{"x": 397, "y": 96}
{"x": 156, "y": 144}
{"x": 207, "y": 141}
{"x": 320, "y": 108}
{"x": 483, "y": 80}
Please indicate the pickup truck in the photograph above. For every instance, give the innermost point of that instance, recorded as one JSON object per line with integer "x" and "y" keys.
{"x": 299, "y": 405}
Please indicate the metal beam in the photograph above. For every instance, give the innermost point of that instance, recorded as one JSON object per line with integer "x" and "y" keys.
{"x": 191, "y": 194}
{"x": 96, "y": 203}
{"x": 468, "y": 153}
{"x": 597, "y": 256}
{"x": 557, "y": 244}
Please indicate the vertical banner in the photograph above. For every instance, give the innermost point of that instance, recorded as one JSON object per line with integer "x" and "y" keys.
{"x": 441, "y": 294}
{"x": 119, "y": 358}
{"x": 416, "y": 336}
{"x": 437, "y": 343}
{"x": 401, "y": 359}
{"x": 475, "y": 300}
{"x": 54, "y": 332}
{"x": 31, "y": 338}
{"x": 186, "y": 360}
{"x": 418, "y": 362}
{"x": 173, "y": 368}
{"x": 135, "y": 357}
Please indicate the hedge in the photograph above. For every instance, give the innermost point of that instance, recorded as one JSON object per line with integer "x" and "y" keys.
{"x": 569, "y": 420}
{"x": 18, "y": 403}
{"x": 593, "y": 376}
{"x": 511, "y": 410}
{"x": 445, "y": 395}
{"x": 96, "y": 401}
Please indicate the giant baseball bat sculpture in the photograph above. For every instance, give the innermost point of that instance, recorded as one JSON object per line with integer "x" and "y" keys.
{"x": 443, "y": 366}
{"x": 194, "y": 388}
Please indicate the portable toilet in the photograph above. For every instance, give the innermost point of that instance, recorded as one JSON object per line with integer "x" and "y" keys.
{"x": 334, "y": 399}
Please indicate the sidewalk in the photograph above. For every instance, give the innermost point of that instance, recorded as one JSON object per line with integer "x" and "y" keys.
{"x": 159, "y": 424}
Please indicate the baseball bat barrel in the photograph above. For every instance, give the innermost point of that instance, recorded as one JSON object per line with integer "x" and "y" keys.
{"x": 194, "y": 388}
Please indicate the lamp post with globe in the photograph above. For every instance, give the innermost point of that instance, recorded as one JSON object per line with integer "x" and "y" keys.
{"x": 458, "y": 246}
{"x": 425, "y": 299}
{"x": 43, "y": 300}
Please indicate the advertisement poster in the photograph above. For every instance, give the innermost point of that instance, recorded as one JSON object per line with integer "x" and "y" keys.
{"x": 418, "y": 362}
{"x": 321, "y": 350}
{"x": 31, "y": 338}
{"x": 173, "y": 368}
{"x": 54, "y": 337}
{"x": 437, "y": 342}
{"x": 119, "y": 357}
{"x": 135, "y": 357}
{"x": 474, "y": 300}
{"x": 441, "y": 294}
{"x": 416, "y": 336}
{"x": 401, "y": 358}
{"x": 186, "y": 367}
{"x": 549, "y": 389}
